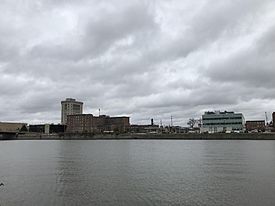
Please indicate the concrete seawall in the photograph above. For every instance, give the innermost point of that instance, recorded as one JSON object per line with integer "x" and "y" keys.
{"x": 184, "y": 136}
{"x": 38, "y": 137}
{"x": 221, "y": 136}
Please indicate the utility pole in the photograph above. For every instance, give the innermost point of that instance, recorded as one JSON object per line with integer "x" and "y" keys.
{"x": 171, "y": 121}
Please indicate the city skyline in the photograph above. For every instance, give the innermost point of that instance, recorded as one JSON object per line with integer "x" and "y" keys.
{"x": 143, "y": 59}
{"x": 71, "y": 106}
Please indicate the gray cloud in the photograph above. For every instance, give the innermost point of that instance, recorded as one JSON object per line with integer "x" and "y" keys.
{"x": 251, "y": 67}
{"x": 139, "y": 58}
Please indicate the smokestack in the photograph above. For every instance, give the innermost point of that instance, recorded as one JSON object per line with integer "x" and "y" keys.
{"x": 152, "y": 122}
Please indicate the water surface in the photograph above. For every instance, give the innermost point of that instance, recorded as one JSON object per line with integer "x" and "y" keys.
{"x": 137, "y": 172}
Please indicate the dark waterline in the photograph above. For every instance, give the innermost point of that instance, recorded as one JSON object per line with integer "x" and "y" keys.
{"x": 141, "y": 172}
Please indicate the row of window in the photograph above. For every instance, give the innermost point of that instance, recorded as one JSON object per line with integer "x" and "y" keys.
{"x": 222, "y": 118}
{"x": 223, "y": 123}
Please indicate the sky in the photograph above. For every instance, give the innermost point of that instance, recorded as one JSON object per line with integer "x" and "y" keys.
{"x": 141, "y": 58}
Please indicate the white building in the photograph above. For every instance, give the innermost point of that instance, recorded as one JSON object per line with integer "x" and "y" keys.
{"x": 214, "y": 122}
{"x": 68, "y": 107}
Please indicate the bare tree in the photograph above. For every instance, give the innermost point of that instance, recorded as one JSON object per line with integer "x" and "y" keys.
{"x": 192, "y": 122}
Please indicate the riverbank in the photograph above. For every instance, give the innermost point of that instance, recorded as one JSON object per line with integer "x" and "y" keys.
{"x": 220, "y": 136}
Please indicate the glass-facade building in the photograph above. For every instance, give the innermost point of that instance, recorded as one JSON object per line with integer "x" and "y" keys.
{"x": 217, "y": 121}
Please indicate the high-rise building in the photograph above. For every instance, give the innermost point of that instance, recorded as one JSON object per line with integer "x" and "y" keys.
{"x": 69, "y": 107}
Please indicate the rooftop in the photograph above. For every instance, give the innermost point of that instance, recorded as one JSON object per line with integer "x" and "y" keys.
{"x": 71, "y": 100}
{"x": 219, "y": 112}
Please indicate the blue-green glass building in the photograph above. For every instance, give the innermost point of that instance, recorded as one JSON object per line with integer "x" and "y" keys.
{"x": 217, "y": 121}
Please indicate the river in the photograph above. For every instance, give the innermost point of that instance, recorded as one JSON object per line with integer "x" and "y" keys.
{"x": 137, "y": 172}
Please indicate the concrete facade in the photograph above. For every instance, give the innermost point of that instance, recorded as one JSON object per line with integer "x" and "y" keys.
{"x": 87, "y": 123}
{"x": 70, "y": 107}
{"x": 218, "y": 122}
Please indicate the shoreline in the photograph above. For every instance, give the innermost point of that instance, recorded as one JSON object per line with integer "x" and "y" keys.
{"x": 217, "y": 136}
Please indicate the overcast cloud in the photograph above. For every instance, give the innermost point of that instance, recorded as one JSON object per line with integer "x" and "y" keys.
{"x": 142, "y": 58}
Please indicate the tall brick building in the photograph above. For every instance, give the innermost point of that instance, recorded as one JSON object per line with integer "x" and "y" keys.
{"x": 87, "y": 123}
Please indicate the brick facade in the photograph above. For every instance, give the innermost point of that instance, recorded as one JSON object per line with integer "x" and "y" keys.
{"x": 87, "y": 123}
{"x": 255, "y": 125}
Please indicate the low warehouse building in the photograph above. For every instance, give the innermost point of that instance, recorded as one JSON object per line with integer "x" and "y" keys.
{"x": 11, "y": 127}
{"x": 258, "y": 125}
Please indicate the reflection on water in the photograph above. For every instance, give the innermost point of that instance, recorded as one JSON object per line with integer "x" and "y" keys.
{"x": 141, "y": 172}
